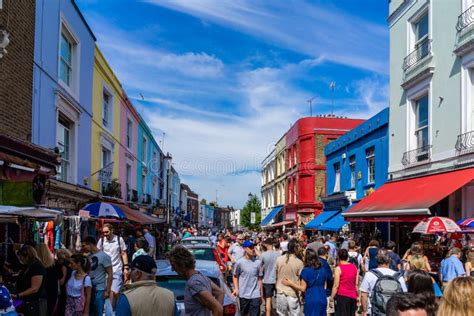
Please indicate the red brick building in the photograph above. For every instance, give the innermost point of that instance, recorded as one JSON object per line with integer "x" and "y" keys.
{"x": 306, "y": 164}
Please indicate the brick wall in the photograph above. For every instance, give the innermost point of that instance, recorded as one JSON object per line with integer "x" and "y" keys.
{"x": 16, "y": 68}
{"x": 320, "y": 184}
{"x": 319, "y": 148}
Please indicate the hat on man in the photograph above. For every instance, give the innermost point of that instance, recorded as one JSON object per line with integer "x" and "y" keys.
{"x": 247, "y": 244}
{"x": 145, "y": 264}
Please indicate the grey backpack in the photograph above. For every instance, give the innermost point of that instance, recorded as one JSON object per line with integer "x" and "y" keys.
{"x": 385, "y": 287}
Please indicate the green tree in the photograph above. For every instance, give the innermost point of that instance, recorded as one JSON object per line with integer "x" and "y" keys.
{"x": 252, "y": 205}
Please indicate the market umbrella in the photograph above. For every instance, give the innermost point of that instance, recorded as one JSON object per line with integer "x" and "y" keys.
{"x": 101, "y": 209}
{"x": 469, "y": 222}
{"x": 33, "y": 212}
{"x": 436, "y": 224}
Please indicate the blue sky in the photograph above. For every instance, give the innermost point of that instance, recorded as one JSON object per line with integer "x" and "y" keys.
{"x": 224, "y": 79}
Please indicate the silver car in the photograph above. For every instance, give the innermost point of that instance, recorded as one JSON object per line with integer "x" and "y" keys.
{"x": 196, "y": 240}
{"x": 168, "y": 279}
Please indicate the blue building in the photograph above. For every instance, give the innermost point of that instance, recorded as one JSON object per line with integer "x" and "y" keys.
{"x": 149, "y": 167}
{"x": 356, "y": 165}
{"x": 62, "y": 87}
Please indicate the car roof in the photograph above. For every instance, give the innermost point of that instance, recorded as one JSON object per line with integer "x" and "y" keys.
{"x": 197, "y": 246}
{"x": 196, "y": 238}
{"x": 206, "y": 267}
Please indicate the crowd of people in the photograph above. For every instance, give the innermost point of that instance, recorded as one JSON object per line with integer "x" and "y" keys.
{"x": 270, "y": 273}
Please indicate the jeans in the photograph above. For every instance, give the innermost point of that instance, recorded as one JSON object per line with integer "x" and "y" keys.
{"x": 97, "y": 303}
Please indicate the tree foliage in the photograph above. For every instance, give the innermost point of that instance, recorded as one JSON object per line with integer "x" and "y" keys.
{"x": 252, "y": 205}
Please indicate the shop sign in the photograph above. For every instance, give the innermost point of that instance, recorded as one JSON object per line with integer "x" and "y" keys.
{"x": 104, "y": 175}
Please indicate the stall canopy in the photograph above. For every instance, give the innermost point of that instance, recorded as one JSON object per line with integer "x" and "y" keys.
{"x": 408, "y": 200}
{"x": 320, "y": 219}
{"x": 334, "y": 224}
{"x": 31, "y": 212}
{"x": 274, "y": 212}
{"x": 282, "y": 223}
{"x": 137, "y": 216}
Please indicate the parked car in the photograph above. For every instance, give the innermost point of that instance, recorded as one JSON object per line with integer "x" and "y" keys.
{"x": 207, "y": 252}
{"x": 167, "y": 278}
{"x": 196, "y": 240}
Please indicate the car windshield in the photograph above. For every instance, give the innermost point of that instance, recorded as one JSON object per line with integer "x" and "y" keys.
{"x": 195, "y": 241}
{"x": 203, "y": 253}
{"x": 176, "y": 284}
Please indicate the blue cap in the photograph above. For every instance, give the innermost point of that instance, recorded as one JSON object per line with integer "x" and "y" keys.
{"x": 247, "y": 244}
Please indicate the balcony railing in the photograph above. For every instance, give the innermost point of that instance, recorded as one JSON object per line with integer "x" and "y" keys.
{"x": 416, "y": 155}
{"x": 465, "y": 143}
{"x": 423, "y": 50}
{"x": 465, "y": 19}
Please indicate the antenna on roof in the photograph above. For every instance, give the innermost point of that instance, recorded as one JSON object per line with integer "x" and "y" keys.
{"x": 310, "y": 101}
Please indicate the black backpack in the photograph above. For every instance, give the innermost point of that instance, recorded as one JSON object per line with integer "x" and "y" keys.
{"x": 385, "y": 287}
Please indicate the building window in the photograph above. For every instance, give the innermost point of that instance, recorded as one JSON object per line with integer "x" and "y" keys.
{"x": 421, "y": 128}
{"x": 337, "y": 177}
{"x": 370, "y": 157}
{"x": 128, "y": 178}
{"x": 143, "y": 185}
{"x": 352, "y": 167}
{"x": 421, "y": 27}
{"x": 106, "y": 160}
{"x": 63, "y": 136}
{"x": 107, "y": 110}
{"x": 129, "y": 133}
{"x": 65, "y": 59}
{"x": 155, "y": 162}
{"x": 144, "y": 144}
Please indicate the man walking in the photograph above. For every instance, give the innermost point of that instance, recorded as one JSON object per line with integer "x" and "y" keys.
{"x": 236, "y": 251}
{"x": 115, "y": 247}
{"x": 268, "y": 268}
{"x": 248, "y": 281}
{"x": 101, "y": 275}
{"x": 451, "y": 266}
{"x": 201, "y": 296}
{"x": 288, "y": 266}
{"x": 143, "y": 296}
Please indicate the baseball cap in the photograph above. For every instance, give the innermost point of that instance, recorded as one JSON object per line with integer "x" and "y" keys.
{"x": 247, "y": 244}
{"x": 144, "y": 263}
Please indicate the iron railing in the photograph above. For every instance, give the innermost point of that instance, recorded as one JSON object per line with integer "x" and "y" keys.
{"x": 465, "y": 143}
{"x": 465, "y": 19}
{"x": 416, "y": 155}
{"x": 422, "y": 50}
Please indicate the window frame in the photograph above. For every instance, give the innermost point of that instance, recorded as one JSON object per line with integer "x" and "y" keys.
{"x": 352, "y": 169}
{"x": 129, "y": 133}
{"x": 64, "y": 173}
{"x": 74, "y": 86}
{"x": 337, "y": 177}
{"x": 370, "y": 159}
{"x": 419, "y": 129}
{"x": 144, "y": 149}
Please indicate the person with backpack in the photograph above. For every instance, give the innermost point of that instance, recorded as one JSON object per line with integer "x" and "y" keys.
{"x": 78, "y": 287}
{"x": 6, "y": 302}
{"x": 344, "y": 290}
{"x": 354, "y": 256}
{"x": 379, "y": 285}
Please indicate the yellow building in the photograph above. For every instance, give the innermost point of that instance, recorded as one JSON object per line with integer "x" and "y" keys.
{"x": 106, "y": 98}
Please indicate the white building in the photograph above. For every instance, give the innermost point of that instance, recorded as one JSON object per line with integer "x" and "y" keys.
{"x": 268, "y": 184}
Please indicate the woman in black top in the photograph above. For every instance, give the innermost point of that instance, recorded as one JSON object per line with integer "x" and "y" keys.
{"x": 52, "y": 277}
{"x": 30, "y": 284}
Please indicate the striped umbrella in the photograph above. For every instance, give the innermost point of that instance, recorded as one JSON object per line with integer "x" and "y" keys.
{"x": 436, "y": 224}
{"x": 469, "y": 222}
{"x": 101, "y": 209}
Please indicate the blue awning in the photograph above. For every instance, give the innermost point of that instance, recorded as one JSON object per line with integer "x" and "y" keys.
{"x": 274, "y": 212}
{"x": 334, "y": 224}
{"x": 320, "y": 219}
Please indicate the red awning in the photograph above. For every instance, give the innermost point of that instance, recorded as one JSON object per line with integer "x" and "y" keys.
{"x": 411, "y": 197}
{"x": 283, "y": 223}
{"x": 137, "y": 216}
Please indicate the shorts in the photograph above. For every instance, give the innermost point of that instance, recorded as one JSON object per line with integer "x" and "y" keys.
{"x": 287, "y": 305}
{"x": 269, "y": 290}
{"x": 117, "y": 282}
{"x": 250, "y": 306}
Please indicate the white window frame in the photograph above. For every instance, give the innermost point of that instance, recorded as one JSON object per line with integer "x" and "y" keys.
{"x": 62, "y": 175}
{"x": 370, "y": 158}
{"x": 419, "y": 129}
{"x": 74, "y": 87}
{"x": 129, "y": 133}
{"x": 144, "y": 149}
{"x": 413, "y": 94}
{"x": 467, "y": 86}
{"x": 110, "y": 115}
{"x": 128, "y": 179}
{"x": 337, "y": 177}
{"x": 352, "y": 168}
{"x": 413, "y": 42}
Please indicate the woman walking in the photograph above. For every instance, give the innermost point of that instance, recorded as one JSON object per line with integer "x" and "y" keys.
{"x": 52, "y": 277}
{"x": 312, "y": 283}
{"x": 457, "y": 299}
{"x": 344, "y": 290}
{"x": 469, "y": 265}
{"x": 78, "y": 287}
{"x": 422, "y": 284}
{"x": 371, "y": 254}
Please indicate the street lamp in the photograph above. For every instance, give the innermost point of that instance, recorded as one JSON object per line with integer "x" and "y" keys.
{"x": 250, "y": 195}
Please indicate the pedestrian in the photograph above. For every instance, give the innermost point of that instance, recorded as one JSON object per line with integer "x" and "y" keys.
{"x": 284, "y": 243}
{"x": 415, "y": 253}
{"x": 115, "y": 247}
{"x": 151, "y": 242}
{"x": 236, "y": 251}
{"x": 141, "y": 247}
{"x": 422, "y": 284}
{"x": 101, "y": 274}
{"x": 248, "y": 281}
{"x": 331, "y": 243}
{"x": 379, "y": 285}
{"x": 458, "y": 298}
{"x": 323, "y": 258}
{"x": 370, "y": 255}
{"x": 30, "y": 283}
{"x": 469, "y": 265}
{"x": 223, "y": 248}
{"x": 269, "y": 258}
{"x": 201, "y": 296}
{"x": 63, "y": 256}
{"x": 344, "y": 290}
{"x": 355, "y": 257}
{"x": 6, "y": 303}
{"x": 143, "y": 296}
{"x": 78, "y": 287}
{"x": 315, "y": 244}
{"x": 406, "y": 304}
{"x": 51, "y": 278}
{"x": 288, "y": 267}
{"x": 395, "y": 261}
{"x": 312, "y": 280}
{"x": 451, "y": 267}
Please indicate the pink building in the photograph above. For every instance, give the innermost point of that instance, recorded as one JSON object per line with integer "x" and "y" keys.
{"x": 129, "y": 121}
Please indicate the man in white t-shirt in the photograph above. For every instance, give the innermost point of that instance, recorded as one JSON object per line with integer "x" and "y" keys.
{"x": 115, "y": 247}
{"x": 368, "y": 283}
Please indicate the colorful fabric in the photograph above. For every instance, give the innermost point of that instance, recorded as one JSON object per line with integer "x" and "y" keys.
{"x": 74, "y": 306}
